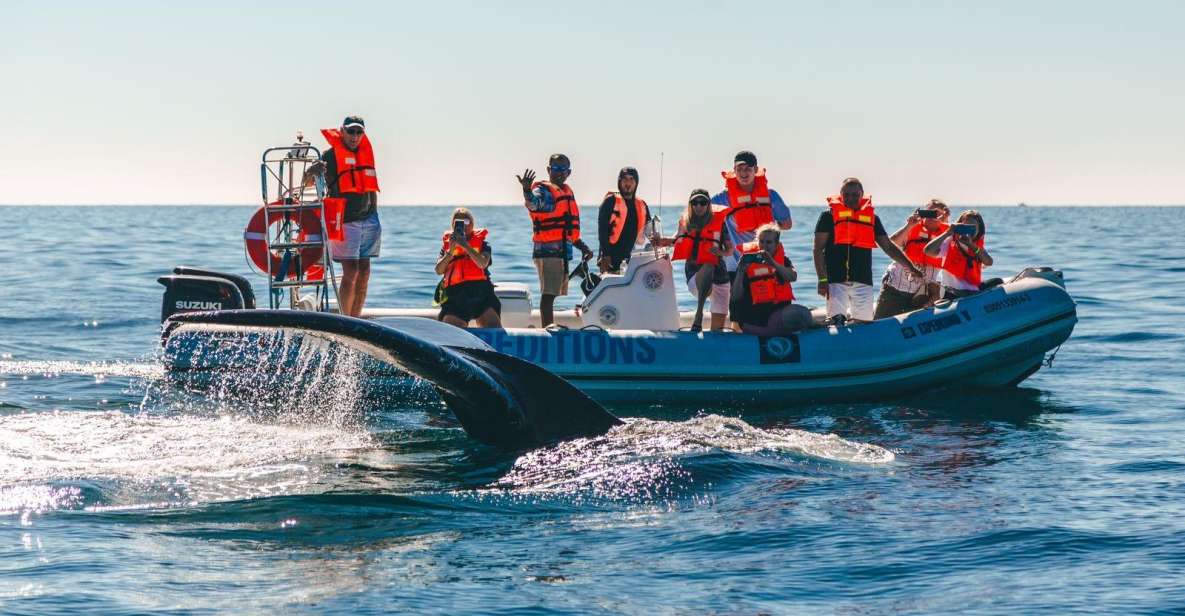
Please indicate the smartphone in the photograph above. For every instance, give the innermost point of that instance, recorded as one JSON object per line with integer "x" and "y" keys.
{"x": 965, "y": 229}
{"x": 459, "y": 228}
{"x": 927, "y": 213}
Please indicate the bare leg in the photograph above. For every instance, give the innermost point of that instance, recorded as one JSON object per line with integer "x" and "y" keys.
{"x": 361, "y": 284}
{"x": 454, "y": 320}
{"x": 703, "y": 287}
{"x": 489, "y": 318}
{"x": 718, "y": 321}
{"x": 546, "y": 312}
{"x": 345, "y": 290}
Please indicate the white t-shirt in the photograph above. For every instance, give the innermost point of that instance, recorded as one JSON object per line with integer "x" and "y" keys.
{"x": 949, "y": 279}
{"x": 900, "y": 278}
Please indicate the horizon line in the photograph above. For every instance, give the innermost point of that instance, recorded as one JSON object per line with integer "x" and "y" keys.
{"x": 675, "y": 205}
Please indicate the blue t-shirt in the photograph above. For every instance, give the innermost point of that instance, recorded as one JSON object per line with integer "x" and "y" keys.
{"x": 781, "y": 215}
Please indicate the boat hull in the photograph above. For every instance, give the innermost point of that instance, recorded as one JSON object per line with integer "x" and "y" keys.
{"x": 996, "y": 338}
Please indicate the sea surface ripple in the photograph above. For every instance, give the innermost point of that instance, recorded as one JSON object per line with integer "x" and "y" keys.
{"x": 126, "y": 490}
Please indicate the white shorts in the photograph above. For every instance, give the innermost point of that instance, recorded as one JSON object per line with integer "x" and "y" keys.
{"x": 854, "y": 300}
{"x": 718, "y": 297}
{"x": 363, "y": 238}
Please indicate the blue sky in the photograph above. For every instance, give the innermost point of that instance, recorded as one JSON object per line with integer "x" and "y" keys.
{"x": 1043, "y": 102}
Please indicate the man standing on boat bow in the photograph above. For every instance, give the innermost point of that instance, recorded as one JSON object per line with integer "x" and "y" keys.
{"x": 751, "y": 203}
{"x": 845, "y": 235}
{"x": 348, "y": 167}
{"x": 555, "y": 222}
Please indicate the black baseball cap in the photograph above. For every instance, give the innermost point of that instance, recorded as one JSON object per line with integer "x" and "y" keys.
{"x": 353, "y": 121}
{"x": 699, "y": 192}
{"x": 745, "y": 156}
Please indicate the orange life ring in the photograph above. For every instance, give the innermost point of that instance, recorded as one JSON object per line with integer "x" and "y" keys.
{"x": 308, "y": 223}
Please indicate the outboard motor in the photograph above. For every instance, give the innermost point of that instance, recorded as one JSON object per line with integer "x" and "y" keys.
{"x": 194, "y": 289}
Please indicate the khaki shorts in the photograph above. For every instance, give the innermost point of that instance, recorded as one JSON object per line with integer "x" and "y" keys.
{"x": 553, "y": 275}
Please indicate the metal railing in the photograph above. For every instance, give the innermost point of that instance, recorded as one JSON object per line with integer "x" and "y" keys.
{"x": 287, "y": 189}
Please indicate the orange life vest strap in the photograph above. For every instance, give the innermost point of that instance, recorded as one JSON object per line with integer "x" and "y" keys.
{"x": 462, "y": 268}
{"x": 853, "y": 227}
{"x": 355, "y": 168}
{"x": 963, "y": 266}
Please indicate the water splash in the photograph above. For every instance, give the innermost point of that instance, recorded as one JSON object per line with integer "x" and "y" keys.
{"x": 138, "y": 458}
{"x": 97, "y": 369}
{"x": 286, "y": 378}
{"x": 642, "y": 459}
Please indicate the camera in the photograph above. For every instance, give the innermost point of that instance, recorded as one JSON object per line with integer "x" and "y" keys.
{"x": 459, "y": 227}
{"x": 965, "y": 229}
{"x": 926, "y": 213}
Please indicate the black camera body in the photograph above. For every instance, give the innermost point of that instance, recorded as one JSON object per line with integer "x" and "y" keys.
{"x": 927, "y": 213}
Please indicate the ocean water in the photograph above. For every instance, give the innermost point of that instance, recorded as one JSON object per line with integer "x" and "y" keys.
{"x": 125, "y": 491}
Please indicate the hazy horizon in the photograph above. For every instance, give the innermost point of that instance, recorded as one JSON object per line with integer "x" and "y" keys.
{"x": 587, "y": 205}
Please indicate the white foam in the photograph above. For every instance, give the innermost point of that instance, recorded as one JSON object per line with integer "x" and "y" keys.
{"x": 174, "y": 458}
{"x": 640, "y": 458}
{"x": 98, "y": 369}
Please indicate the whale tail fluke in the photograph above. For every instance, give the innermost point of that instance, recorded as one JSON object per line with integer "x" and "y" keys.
{"x": 499, "y": 399}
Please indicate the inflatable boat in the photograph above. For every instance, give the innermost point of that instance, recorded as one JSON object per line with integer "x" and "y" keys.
{"x": 995, "y": 338}
{"x": 626, "y": 342}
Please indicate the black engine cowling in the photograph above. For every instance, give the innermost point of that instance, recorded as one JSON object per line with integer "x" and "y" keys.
{"x": 194, "y": 289}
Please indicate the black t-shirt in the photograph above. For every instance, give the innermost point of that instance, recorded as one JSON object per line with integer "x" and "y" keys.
{"x": 625, "y": 243}
{"x": 846, "y": 263}
{"x": 358, "y": 205}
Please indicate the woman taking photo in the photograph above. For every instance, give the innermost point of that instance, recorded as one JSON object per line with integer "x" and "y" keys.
{"x": 960, "y": 248}
{"x": 762, "y": 297}
{"x": 464, "y": 263}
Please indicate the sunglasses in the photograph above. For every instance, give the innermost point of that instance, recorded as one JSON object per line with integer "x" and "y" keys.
{"x": 555, "y": 169}
{"x": 355, "y": 131}
{"x": 699, "y": 202}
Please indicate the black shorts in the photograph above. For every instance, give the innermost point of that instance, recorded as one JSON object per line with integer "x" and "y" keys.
{"x": 753, "y": 314}
{"x": 719, "y": 275}
{"x": 469, "y": 300}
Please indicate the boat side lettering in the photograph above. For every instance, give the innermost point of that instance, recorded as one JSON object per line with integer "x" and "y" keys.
{"x": 571, "y": 347}
{"x": 935, "y": 325}
{"x": 192, "y": 305}
{"x": 1007, "y": 302}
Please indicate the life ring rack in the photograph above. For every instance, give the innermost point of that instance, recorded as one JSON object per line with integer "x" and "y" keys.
{"x": 307, "y": 250}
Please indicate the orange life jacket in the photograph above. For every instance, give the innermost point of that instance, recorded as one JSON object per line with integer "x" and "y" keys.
{"x": 355, "y": 169}
{"x": 617, "y": 218}
{"x": 563, "y": 222}
{"x": 962, "y": 265}
{"x": 765, "y": 286}
{"x": 853, "y": 227}
{"x": 696, "y": 245}
{"x": 748, "y": 210}
{"x": 462, "y": 268}
{"x": 915, "y": 244}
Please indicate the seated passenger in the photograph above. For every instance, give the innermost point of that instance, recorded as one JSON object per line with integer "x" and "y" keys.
{"x": 960, "y": 250}
{"x": 464, "y": 262}
{"x": 901, "y": 290}
{"x": 702, "y": 242}
{"x": 762, "y": 298}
